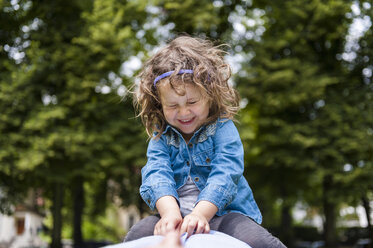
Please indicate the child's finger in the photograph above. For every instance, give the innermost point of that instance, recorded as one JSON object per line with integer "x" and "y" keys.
{"x": 157, "y": 231}
{"x": 187, "y": 227}
{"x": 183, "y": 227}
{"x": 200, "y": 227}
{"x": 207, "y": 228}
{"x": 163, "y": 229}
{"x": 170, "y": 227}
{"x": 191, "y": 227}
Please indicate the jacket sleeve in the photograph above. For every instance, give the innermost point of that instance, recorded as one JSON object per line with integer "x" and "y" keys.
{"x": 157, "y": 175}
{"x": 227, "y": 166}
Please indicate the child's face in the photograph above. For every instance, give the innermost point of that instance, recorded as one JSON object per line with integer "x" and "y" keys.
{"x": 187, "y": 113}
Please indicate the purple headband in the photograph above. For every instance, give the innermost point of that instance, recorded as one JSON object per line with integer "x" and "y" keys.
{"x": 167, "y": 74}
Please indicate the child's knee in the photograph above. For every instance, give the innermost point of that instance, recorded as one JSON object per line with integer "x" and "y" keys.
{"x": 265, "y": 240}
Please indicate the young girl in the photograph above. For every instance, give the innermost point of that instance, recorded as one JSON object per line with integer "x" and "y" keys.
{"x": 194, "y": 173}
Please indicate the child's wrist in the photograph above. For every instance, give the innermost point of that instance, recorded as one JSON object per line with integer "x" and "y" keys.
{"x": 205, "y": 209}
{"x": 173, "y": 213}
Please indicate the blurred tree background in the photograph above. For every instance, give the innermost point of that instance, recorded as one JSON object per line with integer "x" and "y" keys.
{"x": 68, "y": 128}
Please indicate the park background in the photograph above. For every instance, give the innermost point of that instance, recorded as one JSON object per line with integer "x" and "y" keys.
{"x": 68, "y": 131}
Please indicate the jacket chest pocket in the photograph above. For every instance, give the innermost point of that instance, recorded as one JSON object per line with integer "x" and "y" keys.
{"x": 203, "y": 158}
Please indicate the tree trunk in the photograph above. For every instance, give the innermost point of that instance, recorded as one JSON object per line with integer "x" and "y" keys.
{"x": 286, "y": 225}
{"x": 58, "y": 195}
{"x": 330, "y": 233}
{"x": 366, "y": 206}
{"x": 78, "y": 206}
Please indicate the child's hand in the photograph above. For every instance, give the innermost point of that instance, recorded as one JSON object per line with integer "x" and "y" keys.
{"x": 170, "y": 215}
{"x": 195, "y": 223}
{"x": 168, "y": 223}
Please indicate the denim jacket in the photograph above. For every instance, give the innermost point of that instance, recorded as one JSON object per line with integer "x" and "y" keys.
{"x": 214, "y": 160}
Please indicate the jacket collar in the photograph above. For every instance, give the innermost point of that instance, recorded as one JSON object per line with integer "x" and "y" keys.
{"x": 174, "y": 137}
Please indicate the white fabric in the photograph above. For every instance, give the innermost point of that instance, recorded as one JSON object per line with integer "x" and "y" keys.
{"x": 213, "y": 239}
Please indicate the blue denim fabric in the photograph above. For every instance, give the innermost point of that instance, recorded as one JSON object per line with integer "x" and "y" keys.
{"x": 214, "y": 160}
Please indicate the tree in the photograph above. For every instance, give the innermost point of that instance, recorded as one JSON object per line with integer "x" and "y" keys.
{"x": 358, "y": 51}
{"x": 13, "y": 105}
{"x": 70, "y": 131}
{"x": 293, "y": 84}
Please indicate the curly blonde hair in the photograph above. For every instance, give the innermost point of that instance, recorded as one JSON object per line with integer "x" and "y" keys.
{"x": 210, "y": 75}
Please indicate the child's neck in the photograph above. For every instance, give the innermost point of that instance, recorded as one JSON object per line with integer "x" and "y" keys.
{"x": 187, "y": 137}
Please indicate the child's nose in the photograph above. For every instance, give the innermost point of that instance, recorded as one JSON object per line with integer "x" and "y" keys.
{"x": 183, "y": 111}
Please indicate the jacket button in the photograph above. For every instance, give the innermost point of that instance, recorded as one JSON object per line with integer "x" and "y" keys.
{"x": 208, "y": 160}
{"x": 188, "y": 163}
{"x": 190, "y": 145}
{"x": 196, "y": 179}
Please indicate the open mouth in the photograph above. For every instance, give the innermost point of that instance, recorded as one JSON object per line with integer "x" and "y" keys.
{"x": 186, "y": 121}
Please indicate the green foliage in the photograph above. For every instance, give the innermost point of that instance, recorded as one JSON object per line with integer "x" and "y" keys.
{"x": 59, "y": 125}
{"x": 306, "y": 98}
{"x": 104, "y": 227}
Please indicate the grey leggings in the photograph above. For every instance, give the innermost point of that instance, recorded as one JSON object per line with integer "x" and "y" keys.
{"x": 233, "y": 224}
